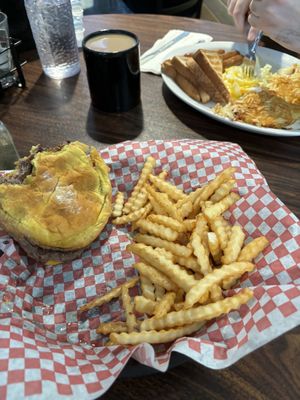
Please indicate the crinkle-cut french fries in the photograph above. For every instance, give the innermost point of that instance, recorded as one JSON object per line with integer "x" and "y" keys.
{"x": 108, "y": 327}
{"x": 167, "y": 222}
{"x": 215, "y": 278}
{"x": 154, "y": 337}
{"x": 174, "y": 248}
{"x": 188, "y": 255}
{"x": 223, "y": 190}
{"x": 134, "y": 216}
{"x": 176, "y": 274}
{"x": 172, "y": 191}
{"x": 234, "y": 245}
{"x": 165, "y": 202}
{"x": 146, "y": 171}
{"x": 159, "y": 293}
{"x": 198, "y": 314}
{"x": 155, "y": 276}
{"x": 200, "y": 253}
{"x": 157, "y": 230}
{"x": 253, "y": 248}
{"x": 131, "y": 321}
{"x": 118, "y": 205}
{"x": 220, "y": 207}
{"x": 164, "y": 305}
{"x": 113, "y": 293}
{"x": 147, "y": 287}
{"x": 143, "y": 305}
{"x": 140, "y": 200}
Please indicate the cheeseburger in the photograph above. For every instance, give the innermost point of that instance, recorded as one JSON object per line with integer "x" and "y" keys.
{"x": 56, "y": 201}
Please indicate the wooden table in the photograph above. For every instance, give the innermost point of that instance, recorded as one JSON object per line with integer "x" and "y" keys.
{"x": 49, "y": 112}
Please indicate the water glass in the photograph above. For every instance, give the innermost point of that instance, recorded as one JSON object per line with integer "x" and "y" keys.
{"x": 5, "y": 54}
{"x": 52, "y": 26}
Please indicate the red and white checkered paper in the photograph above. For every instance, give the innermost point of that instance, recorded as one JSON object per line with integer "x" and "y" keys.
{"x": 47, "y": 349}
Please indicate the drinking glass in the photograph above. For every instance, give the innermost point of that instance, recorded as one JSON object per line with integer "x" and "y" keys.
{"x": 6, "y": 79}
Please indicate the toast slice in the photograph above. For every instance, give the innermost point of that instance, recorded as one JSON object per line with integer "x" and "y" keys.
{"x": 184, "y": 79}
{"x": 181, "y": 65}
{"x": 203, "y": 81}
{"x": 221, "y": 93}
{"x": 168, "y": 69}
{"x": 216, "y": 60}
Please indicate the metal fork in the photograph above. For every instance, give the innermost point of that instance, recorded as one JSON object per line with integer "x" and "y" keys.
{"x": 249, "y": 61}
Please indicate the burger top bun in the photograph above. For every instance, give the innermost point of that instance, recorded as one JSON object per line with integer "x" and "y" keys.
{"x": 64, "y": 201}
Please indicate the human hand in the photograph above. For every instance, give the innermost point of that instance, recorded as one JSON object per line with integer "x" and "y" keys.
{"x": 239, "y": 10}
{"x": 279, "y": 19}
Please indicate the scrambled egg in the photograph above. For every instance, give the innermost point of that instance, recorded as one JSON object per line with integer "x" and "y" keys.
{"x": 238, "y": 84}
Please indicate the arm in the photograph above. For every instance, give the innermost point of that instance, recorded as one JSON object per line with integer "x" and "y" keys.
{"x": 279, "y": 19}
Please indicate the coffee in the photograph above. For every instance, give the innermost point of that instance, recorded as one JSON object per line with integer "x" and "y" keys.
{"x": 110, "y": 43}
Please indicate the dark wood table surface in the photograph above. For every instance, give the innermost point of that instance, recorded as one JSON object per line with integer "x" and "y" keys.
{"x": 49, "y": 112}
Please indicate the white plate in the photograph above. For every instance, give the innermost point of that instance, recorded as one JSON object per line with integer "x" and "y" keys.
{"x": 266, "y": 56}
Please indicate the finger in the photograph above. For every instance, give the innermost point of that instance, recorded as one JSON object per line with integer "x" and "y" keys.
{"x": 254, "y": 21}
{"x": 240, "y": 13}
{"x": 252, "y": 33}
{"x": 230, "y": 6}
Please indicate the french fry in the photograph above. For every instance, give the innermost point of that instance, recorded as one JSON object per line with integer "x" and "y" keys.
{"x": 189, "y": 224}
{"x": 134, "y": 216}
{"x": 179, "y": 276}
{"x": 215, "y": 278}
{"x": 163, "y": 200}
{"x": 214, "y": 247}
{"x": 108, "y": 327}
{"x": 131, "y": 321}
{"x": 174, "y": 248}
{"x": 219, "y": 227}
{"x": 192, "y": 197}
{"x": 116, "y": 292}
{"x": 155, "y": 276}
{"x": 147, "y": 287}
{"x": 118, "y": 205}
{"x": 222, "y": 191}
{"x": 201, "y": 254}
{"x": 163, "y": 174}
{"x": 159, "y": 293}
{"x": 165, "y": 253}
{"x": 234, "y": 245}
{"x": 146, "y": 171}
{"x": 154, "y": 337}
{"x": 216, "y": 294}
{"x": 228, "y": 283}
{"x": 157, "y": 230}
{"x": 198, "y": 314}
{"x": 140, "y": 200}
{"x": 179, "y": 235}
{"x": 253, "y": 248}
{"x": 172, "y": 191}
{"x": 218, "y": 208}
{"x": 144, "y": 305}
{"x": 213, "y": 185}
{"x": 164, "y": 305}
{"x": 186, "y": 209}
{"x": 169, "y": 222}
{"x": 156, "y": 206}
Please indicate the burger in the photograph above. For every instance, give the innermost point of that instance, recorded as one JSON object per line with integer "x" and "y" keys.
{"x": 56, "y": 201}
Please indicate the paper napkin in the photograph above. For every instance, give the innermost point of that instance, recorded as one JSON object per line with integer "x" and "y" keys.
{"x": 153, "y": 64}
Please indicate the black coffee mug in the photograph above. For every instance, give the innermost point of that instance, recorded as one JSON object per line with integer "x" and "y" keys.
{"x": 113, "y": 71}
